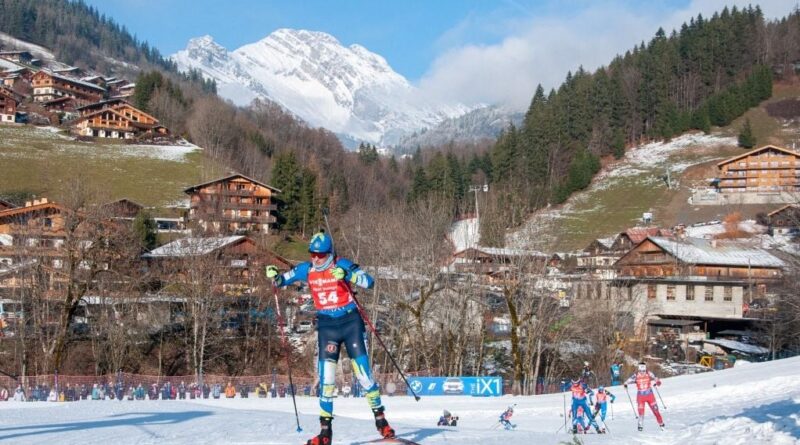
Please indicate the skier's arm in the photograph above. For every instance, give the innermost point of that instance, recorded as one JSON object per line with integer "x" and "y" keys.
{"x": 656, "y": 380}
{"x": 298, "y": 273}
{"x": 630, "y": 380}
{"x": 354, "y": 274}
{"x": 613, "y": 397}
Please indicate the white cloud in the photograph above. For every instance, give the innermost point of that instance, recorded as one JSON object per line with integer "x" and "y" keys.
{"x": 542, "y": 49}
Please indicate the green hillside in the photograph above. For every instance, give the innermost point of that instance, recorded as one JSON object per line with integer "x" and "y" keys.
{"x": 627, "y": 188}
{"x": 43, "y": 161}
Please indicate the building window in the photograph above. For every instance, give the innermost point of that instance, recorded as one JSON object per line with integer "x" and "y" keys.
{"x": 689, "y": 293}
{"x": 651, "y": 291}
{"x": 709, "y": 295}
{"x": 671, "y": 292}
{"x": 728, "y": 295}
{"x": 240, "y": 186}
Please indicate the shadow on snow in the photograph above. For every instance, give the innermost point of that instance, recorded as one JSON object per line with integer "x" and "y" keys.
{"x": 127, "y": 419}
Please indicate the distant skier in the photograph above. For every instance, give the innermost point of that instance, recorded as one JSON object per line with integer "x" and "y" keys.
{"x": 601, "y": 402}
{"x": 505, "y": 418}
{"x": 645, "y": 380}
{"x": 616, "y": 373}
{"x": 580, "y": 393}
{"x": 587, "y": 374}
{"x": 330, "y": 280}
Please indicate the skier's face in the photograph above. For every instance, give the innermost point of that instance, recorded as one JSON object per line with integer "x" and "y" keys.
{"x": 318, "y": 259}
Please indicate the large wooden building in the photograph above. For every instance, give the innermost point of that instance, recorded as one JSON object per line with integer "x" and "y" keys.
{"x": 48, "y": 86}
{"x": 8, "y": 106}
{"x": 766, "y": 169}
{"x": 233, "y": 204}
{"x": 711, "y": 259}
{"x": 35, "y": 230}
{"x": 121, "y": 122}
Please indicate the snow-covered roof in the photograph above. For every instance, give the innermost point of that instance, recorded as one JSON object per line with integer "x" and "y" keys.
{"x": 502, "y": 251}
{"x": 73, "y": 80}
{"x": 734, "y": 345}
{"x": 700, "y": 251}
{"x": 607, "y": 242}
{"x": 193, "y": 246}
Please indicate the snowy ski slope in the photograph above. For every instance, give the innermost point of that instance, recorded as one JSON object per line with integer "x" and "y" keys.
{"x": 750, "y": 404}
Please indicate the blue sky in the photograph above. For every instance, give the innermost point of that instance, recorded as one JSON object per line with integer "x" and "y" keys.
{"x": 468, "y": 51}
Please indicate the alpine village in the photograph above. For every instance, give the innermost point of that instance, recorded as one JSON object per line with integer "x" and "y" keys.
{"x": 646, "y": 210}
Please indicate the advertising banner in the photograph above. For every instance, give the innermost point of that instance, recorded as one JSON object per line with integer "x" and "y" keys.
{"x": 457, "y": 386}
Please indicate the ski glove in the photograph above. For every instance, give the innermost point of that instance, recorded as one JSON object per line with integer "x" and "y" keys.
{"x": 338, "y": 273}
{"x": 272, "y": 272}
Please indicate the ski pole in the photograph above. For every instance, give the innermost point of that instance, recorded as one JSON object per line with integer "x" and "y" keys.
{"x": 659, "y": 397}
{"x": 635, "y": 414}
{"x": 612, "y": 411}
{"x": 366, "y": 318}
{"x": 287, "y": 352}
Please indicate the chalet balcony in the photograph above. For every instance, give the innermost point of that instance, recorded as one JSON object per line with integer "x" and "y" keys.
{"x": 769, "y": 165}
{"x": 245, "y": 219}
{"x": 249, "y": 206}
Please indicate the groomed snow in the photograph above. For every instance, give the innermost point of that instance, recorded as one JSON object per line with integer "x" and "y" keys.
{"x": 749, "y": 404}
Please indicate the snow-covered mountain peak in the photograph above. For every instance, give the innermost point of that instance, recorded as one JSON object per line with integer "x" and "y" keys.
{"x": 346, "y": 89}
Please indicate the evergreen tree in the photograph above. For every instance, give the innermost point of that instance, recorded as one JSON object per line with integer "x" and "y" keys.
{"x": 144, "y": 226}
{"x": 746, "y": 137}
{"x": 286, "y": 176}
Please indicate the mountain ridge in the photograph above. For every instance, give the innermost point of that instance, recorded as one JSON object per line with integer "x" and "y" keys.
{"x": 349, "y": 90}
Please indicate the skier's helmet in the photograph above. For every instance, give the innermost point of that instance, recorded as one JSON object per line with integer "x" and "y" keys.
{"x": 321, "y": 243}
{"x": 642, "y": 367}
{"x": 446, "y": 413}
{"x": 601, "y": 389}
{"x": 586, "y": 364}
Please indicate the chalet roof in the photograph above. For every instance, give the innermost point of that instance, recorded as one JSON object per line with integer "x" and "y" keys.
{"x": 102, "y": 103}
{"x": 11, "y": 94}
{"x": 11, "y": 53}
{"x": 5, "y": 203}
{"x": 73, "y": 80}
{"x": 672, "y": 322}
{"x": 639, "y": 234}
{"x": 787, "y": 206}
{"x": 124, "y": 200}
{"x": 58, "y": 100}
{"x": 500, "y": 251}
{"x": 192, "y": 246}
{"x": 32, "y": 208}
{"x": 702, "y": 251}
{"x": 229, "y": 177}
{"x": 757, "y": 150}
{"x": 734, "y": 345}
{"x": 122, "y": 116}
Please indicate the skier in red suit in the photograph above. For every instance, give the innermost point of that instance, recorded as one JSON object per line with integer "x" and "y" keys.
{"x": 645, "y": 381}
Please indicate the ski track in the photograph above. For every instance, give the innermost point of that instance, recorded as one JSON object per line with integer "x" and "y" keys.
{"x": 749, "y": 404}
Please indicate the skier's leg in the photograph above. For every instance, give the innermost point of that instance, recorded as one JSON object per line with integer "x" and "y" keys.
{"x": 355, "y": 339}
{"x": 603, "y": 407}
{"x": 640, "y": 408}
{"x": 654, "y": 409}
{"x": 328, "y": 346}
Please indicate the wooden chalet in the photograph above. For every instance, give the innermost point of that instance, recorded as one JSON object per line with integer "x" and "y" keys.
{"x": 785, "y": 220}
{"x": 49, "y": 85}
{"x": 626, "y": 240}
{"x": 495, "y": 261}
{"x": 122, "y": 208}
{"x": 237, "y": 261}
{"x": 117, "y": 119}
{"x": 65, "y": 103}
{"x": 232, "y": 204}
{"x": 34, "y": 231}
{"x": 766, "y": 169}
{"x": 598, "y": 258}
{"x": 8, "y": 105}
{"x": 711, "y": 259}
